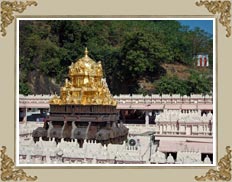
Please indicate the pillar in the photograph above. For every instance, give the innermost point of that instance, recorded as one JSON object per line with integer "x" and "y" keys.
{"x": 146, "y": 118}
{"x": 161, "y": 129}
{"x": 198, "y": 61}
{"x": 25, "y": 116}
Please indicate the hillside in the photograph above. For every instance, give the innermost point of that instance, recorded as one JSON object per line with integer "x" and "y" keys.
{"x": 137, "y": 56}
{"x": 179, "y": 71}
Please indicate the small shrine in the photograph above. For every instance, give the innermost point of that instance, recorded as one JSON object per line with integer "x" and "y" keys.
{"x": 202, "y": 60}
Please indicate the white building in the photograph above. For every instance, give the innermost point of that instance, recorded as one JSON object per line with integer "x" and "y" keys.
{"x": 202, "y": 60}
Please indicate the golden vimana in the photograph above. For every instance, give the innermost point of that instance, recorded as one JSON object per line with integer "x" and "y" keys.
{"x": 85, "y": 85}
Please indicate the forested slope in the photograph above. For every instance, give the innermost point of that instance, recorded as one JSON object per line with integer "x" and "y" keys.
{"x": 136, "y": 55}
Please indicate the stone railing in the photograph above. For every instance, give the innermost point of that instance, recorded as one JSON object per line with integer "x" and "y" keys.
{"x": 173, "y": 128}
{"x": 43, "y": 100}
{"x": 175, "y": 98}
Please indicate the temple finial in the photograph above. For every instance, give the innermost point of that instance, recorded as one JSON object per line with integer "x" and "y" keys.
{"x": 86, "y": 52}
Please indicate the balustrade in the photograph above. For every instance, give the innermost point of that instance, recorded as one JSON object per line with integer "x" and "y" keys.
{"x": 123, "y": 99}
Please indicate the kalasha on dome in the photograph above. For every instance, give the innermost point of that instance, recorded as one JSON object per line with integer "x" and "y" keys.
{"x": 85, "y": 109}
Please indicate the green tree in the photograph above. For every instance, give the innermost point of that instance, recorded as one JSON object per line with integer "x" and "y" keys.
{"x": 200, "y": 83}
{"x": 24, "y": 89}
{"x": 141, "y": 54}
{"x": 172, "y": 85}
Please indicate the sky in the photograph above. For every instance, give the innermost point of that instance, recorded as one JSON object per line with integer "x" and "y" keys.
{"x": 206, "y": 25}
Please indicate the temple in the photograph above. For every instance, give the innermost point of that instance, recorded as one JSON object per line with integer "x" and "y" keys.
{"x": 85, "y": 109}
{"x": 183, "y": 129}
{"x": 86, "y": 86}
{"x": 87, "y": 125}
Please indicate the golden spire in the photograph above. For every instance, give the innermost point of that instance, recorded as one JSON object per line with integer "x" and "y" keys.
{"x": 86, "y": 52}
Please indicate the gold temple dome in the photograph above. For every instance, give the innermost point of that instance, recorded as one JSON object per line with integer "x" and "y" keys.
{"x": 86, "y": 66}
{"x": 85, "y": 85}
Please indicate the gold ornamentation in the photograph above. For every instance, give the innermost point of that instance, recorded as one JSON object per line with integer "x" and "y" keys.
{"x": 7, "y": 12}
{"x": 7, "y": 169}
{"x": 224, "y": 169}
{"x": 221, "y": 7}
{"x": 86, "y": 86}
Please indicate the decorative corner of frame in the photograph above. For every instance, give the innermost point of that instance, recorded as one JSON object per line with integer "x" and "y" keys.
{"x": 222, "y": 8}
{"x": 223, "y": 171}
{"x": 8, "y": 171}
{"x": 7, "y": 10}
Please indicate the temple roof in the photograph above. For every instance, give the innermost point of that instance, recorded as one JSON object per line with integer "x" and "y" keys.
{"x": 85, "y": 85}
{"x": 86, "y": 66}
